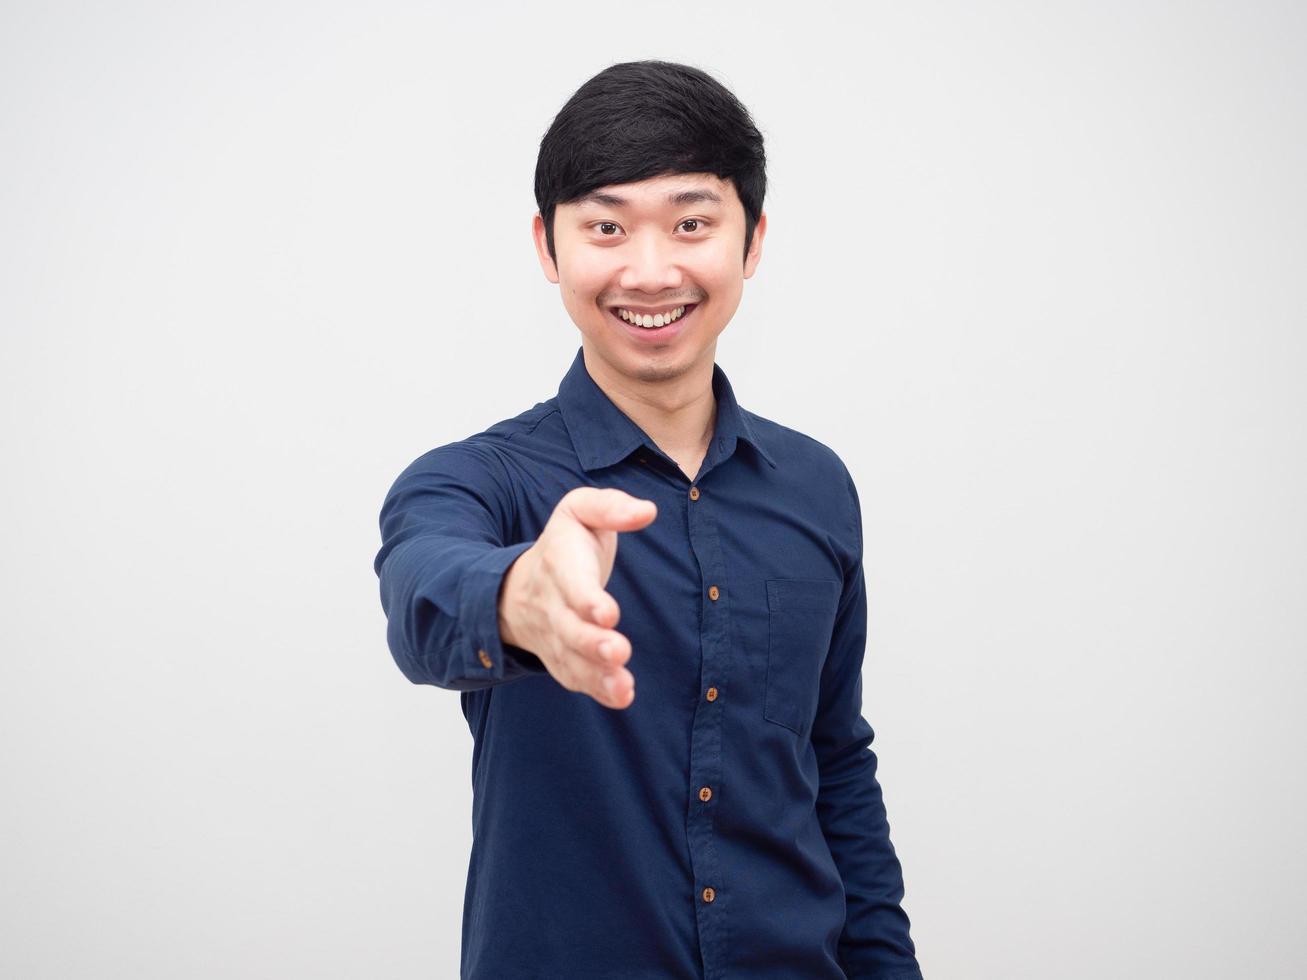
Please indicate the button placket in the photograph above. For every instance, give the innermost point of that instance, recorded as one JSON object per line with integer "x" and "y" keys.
{"x": 707, "y": 731}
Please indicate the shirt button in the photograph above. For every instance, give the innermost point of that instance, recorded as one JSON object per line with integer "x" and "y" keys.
{"x": 709, "y": 894}
{"x": 705, "y": 794}
{"x": 485, "y": 659}
{"x": 712, "y": 694}
{"x": 694, "y": 493}
{"x": 713, "y": 593}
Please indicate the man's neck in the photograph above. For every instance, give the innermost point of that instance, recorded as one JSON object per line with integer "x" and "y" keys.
{"x": 679, "y": 414}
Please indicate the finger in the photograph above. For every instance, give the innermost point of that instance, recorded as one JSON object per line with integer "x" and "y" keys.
{"x": 613, "y": 648}
{"x": 605, "y": 612}
{"x": 585, "y": 640}
{"x": 622, "y": 690}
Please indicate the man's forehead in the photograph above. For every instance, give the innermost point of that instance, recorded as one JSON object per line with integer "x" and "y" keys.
{"x": 672, "y": 191}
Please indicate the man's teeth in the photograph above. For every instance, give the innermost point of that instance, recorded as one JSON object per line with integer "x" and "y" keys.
{"x": 656, "y": 320}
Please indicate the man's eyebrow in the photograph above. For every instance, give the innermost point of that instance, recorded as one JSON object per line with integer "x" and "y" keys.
{"x": 695, "y": 195}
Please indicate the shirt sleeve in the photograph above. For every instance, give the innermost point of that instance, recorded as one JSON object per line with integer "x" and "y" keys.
{"x": 875, "y": 943}
{"x": 446, "y": 527}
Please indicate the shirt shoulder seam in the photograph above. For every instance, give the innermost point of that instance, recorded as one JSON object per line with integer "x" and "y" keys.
{"x": 515, "y": 526}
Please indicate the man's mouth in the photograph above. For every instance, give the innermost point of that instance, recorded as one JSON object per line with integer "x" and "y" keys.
{"x": 652, "y": 320}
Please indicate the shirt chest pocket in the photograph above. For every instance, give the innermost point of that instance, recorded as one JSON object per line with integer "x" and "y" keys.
{"x": 800, "y": 620}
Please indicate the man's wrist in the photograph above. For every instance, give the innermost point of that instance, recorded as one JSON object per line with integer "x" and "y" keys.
{"x": 509, "y": 592}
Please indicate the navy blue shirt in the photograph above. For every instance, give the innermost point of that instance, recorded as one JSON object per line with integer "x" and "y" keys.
{"x": 728, "y": 823}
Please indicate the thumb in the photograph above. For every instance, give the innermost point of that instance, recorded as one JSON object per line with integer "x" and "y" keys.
{"x": 607, "y": 508}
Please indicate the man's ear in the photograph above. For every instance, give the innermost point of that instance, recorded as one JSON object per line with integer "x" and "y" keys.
{"x": 755, "y": 247}
{"x": 542, "y": 248}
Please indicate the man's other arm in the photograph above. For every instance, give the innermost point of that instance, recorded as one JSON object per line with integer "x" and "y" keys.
{"x": 875, "y": 943}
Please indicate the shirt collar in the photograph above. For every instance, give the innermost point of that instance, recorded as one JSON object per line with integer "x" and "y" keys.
{"x": 603, "y": 434}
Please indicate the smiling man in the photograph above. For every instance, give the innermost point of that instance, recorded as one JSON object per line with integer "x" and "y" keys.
{"x": 728, "y": 822}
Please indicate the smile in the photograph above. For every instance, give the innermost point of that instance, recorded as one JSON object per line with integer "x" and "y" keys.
{"x": 658, "y": 319}
{"x": 653, "y": 321}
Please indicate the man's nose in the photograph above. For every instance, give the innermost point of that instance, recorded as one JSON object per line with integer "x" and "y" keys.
{"x": 652, "y": 266}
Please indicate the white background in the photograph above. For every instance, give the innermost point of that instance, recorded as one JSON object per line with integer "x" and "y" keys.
{"x": 1035, "y": 270}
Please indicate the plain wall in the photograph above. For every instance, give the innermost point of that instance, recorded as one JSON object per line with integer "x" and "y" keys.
{"x": 1035, "y": 270}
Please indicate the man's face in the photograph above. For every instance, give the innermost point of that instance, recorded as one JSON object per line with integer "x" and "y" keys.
{"x": 651, "y": 247}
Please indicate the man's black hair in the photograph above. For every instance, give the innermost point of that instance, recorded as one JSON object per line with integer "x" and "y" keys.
{"x": 642, "y": 119}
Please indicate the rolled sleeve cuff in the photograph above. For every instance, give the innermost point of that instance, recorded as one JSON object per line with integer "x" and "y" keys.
{"x": 487, "y": 656}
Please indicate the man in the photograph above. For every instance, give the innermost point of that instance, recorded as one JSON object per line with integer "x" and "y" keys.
{"x": 727, "y": 822}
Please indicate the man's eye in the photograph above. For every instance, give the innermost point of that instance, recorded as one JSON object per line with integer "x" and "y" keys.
{"x": 605, "y": 224}
{"x": 691, "y": 221}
